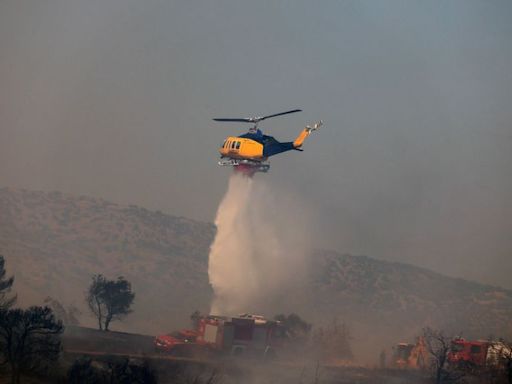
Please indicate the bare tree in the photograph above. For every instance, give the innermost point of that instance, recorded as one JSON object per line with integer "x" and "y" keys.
{"x": 29, "y": 339}
{"x": 5, "y": 287}
{"x": 382, "y": 359}
{"x": 438, "y": 345}
{"x": 333, "y": 341}
{"x": 295, "y": 328}
{"x": 109, "y": 300}
{"x": 68, "y": 316}
{"x": 195, "y": 318}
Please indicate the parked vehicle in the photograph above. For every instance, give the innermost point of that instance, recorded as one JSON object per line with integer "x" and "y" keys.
{"x": 245, "y": 335}
{"x": 468, "y": 352}
{"x": 477, "y": 353}
{"x": 413, "y": 356}
{"x": 180, "y": 343}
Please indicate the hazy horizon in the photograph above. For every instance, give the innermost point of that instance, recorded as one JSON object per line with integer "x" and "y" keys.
{"x": 114, "y": 99}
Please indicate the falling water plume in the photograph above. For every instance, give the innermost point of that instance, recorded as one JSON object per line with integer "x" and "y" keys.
{"x": 259, "y": 253}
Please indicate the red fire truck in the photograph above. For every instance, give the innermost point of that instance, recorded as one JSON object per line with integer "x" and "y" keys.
{"x": 477, "y": 353}
{"x": 468, "y": 352}
{"x": 414, "y": 356}
{"x": 247, "y": 335}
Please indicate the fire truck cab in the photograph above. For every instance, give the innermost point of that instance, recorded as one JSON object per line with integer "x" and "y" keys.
{"x": 413, "y": 356}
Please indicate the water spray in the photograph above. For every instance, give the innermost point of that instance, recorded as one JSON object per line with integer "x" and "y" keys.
{"x": 260, "y": 248}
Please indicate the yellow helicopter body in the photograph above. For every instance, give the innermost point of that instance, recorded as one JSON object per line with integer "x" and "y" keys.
{"x": 242, "y": 148}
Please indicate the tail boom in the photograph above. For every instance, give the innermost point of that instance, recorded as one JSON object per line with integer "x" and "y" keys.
{"x": 305, "y": 133}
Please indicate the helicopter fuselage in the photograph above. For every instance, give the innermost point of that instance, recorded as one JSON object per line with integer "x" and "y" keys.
{"x": 242, "y": 148}
{"x": 253, "y": 146}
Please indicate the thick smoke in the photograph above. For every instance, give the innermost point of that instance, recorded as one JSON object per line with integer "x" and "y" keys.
{"x": 258, "y": 259}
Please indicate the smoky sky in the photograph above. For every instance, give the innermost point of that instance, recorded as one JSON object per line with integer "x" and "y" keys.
{"x": 114, "y": 99}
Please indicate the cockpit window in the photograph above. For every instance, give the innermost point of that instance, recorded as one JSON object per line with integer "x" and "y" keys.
{"x": 237, "y": 145}
{"x": 233, "y": 145}
{"x": 224, "y": 144}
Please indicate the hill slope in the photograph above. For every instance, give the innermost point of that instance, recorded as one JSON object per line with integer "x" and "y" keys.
{"x": 398, "y": 298}
{"x": 54, "y": 243}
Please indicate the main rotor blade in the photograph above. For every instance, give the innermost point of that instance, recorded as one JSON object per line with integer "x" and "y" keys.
{"x": 237, "y": 120}
{"x": 257, "y": 119}
{"x": 279, "y": 114}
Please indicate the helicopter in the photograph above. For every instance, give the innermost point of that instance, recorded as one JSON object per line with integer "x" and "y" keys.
{"x": 249, "y": 152}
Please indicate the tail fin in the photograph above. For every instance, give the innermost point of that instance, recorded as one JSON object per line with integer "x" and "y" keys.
{"x": 305, "y": 133}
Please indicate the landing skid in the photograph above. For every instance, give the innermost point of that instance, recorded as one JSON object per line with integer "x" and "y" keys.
{"x": 246, "y": 166}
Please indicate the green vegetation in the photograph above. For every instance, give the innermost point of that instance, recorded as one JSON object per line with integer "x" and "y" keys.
{"x": 29, "y": 340}
{"x": 68, "y": 316}
{"x": 5, "y": 286}
{"x": 109, "y": 300}
{"x": 111, "y": 370}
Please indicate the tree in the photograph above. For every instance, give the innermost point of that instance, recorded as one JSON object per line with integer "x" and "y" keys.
{"x": 68, "y": 316}
{"x": 438, "y": 345}
{"x": 382, "y": 359}
{"x": 501, "y": 359}
{"x": 333, "y": 341}
{"x": 109, "y": 300}
{"x": 195, "y": 318}
{"x": 83, "y": 372}
{"x": 506, "y": 357}
{"x": 294, "y": 326}
{"x": 111, "y": 370}
{"x": 5, "y": 286}
{"x": 29, "y": 339}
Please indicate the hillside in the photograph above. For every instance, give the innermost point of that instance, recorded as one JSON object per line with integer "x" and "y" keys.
{"x": 54, "y": 243}
{"x": 398, "y": 298}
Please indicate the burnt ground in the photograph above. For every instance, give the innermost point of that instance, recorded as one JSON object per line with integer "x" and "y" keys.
{"x": 104, "y": 347}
